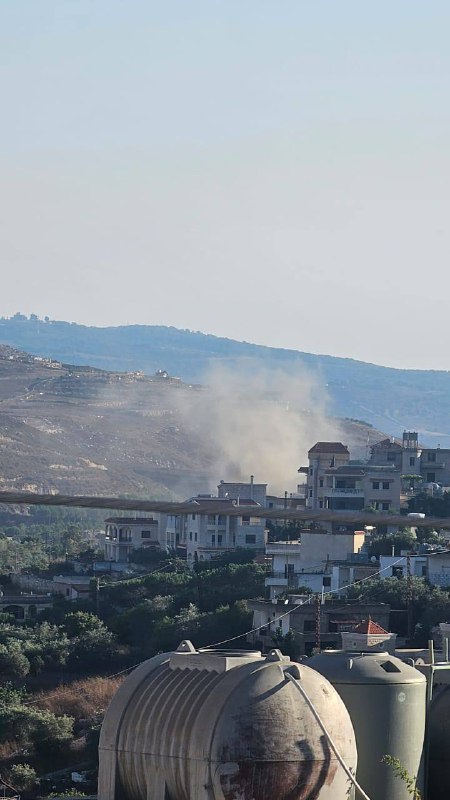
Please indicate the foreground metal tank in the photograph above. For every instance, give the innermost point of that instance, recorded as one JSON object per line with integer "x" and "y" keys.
{"x": 386, "y": 700}
{"x": 439, "y": 746}
{"x": 223, "y": 726}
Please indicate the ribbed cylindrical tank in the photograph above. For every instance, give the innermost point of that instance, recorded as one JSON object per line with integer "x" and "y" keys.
{"x": 386, "y": 700}
{"x": 224, "y": 726}
{"x": 439, "y": 746}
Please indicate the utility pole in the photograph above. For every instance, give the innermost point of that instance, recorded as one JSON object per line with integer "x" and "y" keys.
{"x": 409, "y": 588}
{"x": 97, "y": 595}
{"x": 318, "y": 619}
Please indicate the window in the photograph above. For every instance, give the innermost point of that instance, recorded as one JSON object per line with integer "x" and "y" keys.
{"x": 193, "y": 517}
{"x": 219, "y": 539}
{"x": 311, "y": 471}
{"x": 211, "y": 519}
{"x": 195, "y": 537}
{"x": 385, "y": 506}
{"x": 146, "y": 534}
{"x": 412, "y": 461}
{"x": 310, "y": 492}
{"x": 431, "y": 456}
{"x": 190, "y": 536}
{"x": 320, "y": 503}
{"x": 326, "y": 581}
{"x": 222, "y": 519}
{"x": 431, "y": 477}
{"x": 385, "y": 485}
{"x": 424, "y": 571}
{"x": 288, "y": 570}
{"x": 213, "y": 540}
{"x": 250, "y": 538}
{"x": 391, "y": 457}
{"x": 246, "y": 519}
{"x": 321, "y": 483}
{"x": 375, "y": 484}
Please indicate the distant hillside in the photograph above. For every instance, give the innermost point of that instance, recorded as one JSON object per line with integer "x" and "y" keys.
{"x": 81, "y": 430}
{"x": 390, "y": 399}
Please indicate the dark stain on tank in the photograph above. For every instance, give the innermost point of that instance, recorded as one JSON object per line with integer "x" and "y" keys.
{"x": 302, "y": 780}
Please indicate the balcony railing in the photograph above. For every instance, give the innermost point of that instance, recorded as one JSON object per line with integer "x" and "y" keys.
{"x": 335, "y": 492}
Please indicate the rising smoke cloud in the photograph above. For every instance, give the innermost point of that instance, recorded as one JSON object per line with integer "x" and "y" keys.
{"x": 259, "y": 421}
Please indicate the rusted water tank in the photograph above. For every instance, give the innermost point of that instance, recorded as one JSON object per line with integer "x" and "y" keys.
{"x": 223, "y": 726}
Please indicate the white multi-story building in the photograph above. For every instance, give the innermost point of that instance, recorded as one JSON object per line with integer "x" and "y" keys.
{"x": 309, "y": 561}
{"x": 207, "y": 535}
{"x": 125, "y": 534}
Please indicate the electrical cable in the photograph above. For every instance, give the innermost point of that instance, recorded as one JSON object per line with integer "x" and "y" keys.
{"x": 241, "y": 635}
{"x": 330, "y": 741}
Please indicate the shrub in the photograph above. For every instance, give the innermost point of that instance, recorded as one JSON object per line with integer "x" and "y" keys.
{"x": 22, "y": 777}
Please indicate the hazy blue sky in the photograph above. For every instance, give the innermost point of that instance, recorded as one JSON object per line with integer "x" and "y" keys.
{"x": 270, "y": 171}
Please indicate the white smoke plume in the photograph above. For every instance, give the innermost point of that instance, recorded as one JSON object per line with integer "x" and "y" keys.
{"x": 262, "y": 422}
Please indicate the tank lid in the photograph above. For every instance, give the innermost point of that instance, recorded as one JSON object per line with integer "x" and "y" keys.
{"x": 344, "y": 667}
{"x": 187, "y": 657}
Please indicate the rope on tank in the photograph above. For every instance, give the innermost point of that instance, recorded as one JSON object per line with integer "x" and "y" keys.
{"x": 330, "y": 741}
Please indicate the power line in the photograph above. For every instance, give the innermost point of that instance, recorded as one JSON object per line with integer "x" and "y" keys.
{"x": 58, "y": 693}
{"x": 231, "y": 510}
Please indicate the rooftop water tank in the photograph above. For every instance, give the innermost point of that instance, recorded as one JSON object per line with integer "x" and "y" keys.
{"x": 221, "y": 725}
{"x": 386, "y": 701}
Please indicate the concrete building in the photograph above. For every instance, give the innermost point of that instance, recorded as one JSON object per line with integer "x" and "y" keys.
{"x": 299, "y": 616}
{"x": 369, "y": 637}
{"x": 243, "y": 491}
{"x": 125, "y": 534}
{"x": 397, "y": 566}
{"x": 411, "y": 458}
{"x": 73, "y": 587}
{"x": 336, "y": 483}
{"x": 24, "y": 607}
{"x": 308, "y": 562}
{"x": 356, "y": 567}
{"x": 439, "y": 569}
{"x": 206, "y": 536}
{"x": 321, "y": 457}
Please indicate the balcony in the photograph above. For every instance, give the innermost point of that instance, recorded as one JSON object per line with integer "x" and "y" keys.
{"x": 344, "y": 492}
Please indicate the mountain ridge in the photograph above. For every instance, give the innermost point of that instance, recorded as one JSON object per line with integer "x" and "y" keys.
{"x": 387, "y": 397}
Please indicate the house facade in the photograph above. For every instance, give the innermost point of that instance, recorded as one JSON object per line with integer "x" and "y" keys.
{"x": 299, "y": 616}
{"x": 125, "y": 534}
{"x": 206, "y": 535}
{"x": 309, "y": 562}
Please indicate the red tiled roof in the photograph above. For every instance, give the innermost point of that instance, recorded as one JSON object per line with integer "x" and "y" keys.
{"x": 329, "y": 447}
{"x": 370, "y": 627}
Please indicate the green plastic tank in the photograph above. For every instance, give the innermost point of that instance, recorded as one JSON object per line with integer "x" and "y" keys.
{"x": 386, "y": 700}
{"x": 439, "y": 746}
